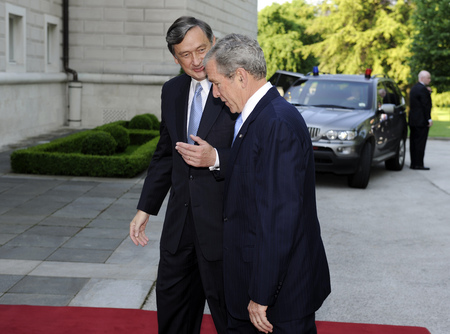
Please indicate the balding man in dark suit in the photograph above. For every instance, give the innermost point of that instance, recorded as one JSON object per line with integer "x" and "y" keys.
{"x": 419, "y": 120}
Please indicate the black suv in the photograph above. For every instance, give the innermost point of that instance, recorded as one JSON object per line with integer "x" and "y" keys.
{"x": 355, "y": 121}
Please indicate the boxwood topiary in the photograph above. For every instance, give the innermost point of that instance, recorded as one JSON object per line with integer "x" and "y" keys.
{"x": 98, "y": 143}
{"x": 119, "y": 133}
{"x": 155, "y": 121}
{"x": 141, "y": 122}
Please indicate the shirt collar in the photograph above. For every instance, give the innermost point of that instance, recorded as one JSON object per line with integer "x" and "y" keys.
{"x": 206, "y": 85}
{"x": 254, "y": 99}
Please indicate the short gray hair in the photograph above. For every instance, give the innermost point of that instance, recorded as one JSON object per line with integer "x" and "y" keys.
{"x": 238, "y": 51}
{"x": 181, "y": 26}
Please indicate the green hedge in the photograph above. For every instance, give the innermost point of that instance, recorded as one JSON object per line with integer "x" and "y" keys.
{"x": 63, "y": 156}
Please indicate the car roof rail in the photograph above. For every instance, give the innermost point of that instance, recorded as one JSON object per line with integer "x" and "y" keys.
{"x": 379, "y": 76}
{"x": 311, "y": 73}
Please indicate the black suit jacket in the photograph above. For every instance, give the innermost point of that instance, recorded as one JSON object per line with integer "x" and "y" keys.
{"x": 189, "y": 186}
{"x": 419, "y": 105}
{"x": 273, "y": 250}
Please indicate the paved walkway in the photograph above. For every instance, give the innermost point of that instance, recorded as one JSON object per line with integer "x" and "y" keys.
{"x": 64, "y": 241}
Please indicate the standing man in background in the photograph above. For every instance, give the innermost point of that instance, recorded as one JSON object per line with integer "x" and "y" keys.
{"x": 275, "y": 268}
{"x": 419, "y": 120}
{"x": 190, "y": 268}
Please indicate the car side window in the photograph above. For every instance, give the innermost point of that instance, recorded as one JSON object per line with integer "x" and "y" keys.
{"x": 383, "y": 96}
{"x": 392, "y": 93}
{"x": 283, "y": 82}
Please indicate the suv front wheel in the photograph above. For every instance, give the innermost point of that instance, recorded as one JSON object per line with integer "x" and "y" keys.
{"x": 362, "y": 175}
{"x": 397, "y": 162}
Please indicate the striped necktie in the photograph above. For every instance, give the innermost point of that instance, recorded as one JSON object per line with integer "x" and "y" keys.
{"x": 196, "y": 113}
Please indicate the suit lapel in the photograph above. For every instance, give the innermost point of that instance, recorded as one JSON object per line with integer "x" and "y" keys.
{"x": 181, "y": 106}
{"x": 270, "y": 95}
{"x": 213, "y": 107}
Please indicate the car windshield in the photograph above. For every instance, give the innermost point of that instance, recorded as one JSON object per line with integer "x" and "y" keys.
{"x": 329, "y": 94}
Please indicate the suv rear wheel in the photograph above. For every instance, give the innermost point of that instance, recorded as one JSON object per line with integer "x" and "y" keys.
{"x": 397, "y": 162}
{"x": 362, "y": 175}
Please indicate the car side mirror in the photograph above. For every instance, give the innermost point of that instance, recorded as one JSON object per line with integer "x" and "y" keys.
{"x": 387, "y": 108}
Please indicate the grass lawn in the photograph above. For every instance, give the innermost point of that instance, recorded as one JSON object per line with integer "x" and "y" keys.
{"x": 440, "y": 129}
{"x": 441, "y": 122}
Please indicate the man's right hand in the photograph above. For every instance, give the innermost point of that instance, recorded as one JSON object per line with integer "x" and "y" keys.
{"x": 201, "y": 155}
{"x": 137, "y": 228}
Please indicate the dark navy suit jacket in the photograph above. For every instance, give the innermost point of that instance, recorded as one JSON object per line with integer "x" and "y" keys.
{"x": 420, "y": 105}
{"x": 189, "y": 186}
{"x": 273, "y": 251}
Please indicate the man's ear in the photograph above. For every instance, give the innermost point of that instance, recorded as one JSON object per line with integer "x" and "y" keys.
{"x": 242, "y": 77}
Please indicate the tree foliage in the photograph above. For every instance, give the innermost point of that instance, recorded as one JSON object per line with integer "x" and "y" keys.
{"x": 397, "y": 38}
{"x": 281, "y": 34}
{"x": 360, "y": 34}
{"x": 431, "y": 43}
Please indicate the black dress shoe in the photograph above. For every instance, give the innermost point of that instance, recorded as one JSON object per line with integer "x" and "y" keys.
{"x": 420, "y": 167}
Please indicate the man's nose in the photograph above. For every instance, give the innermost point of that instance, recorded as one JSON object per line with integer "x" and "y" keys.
{"x": 197, "y": 59}
{"x": 216, "y": 93}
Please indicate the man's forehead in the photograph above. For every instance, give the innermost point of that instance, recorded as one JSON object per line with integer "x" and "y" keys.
{"x": 181, "y": 48}
{"x": 211, "y": 68}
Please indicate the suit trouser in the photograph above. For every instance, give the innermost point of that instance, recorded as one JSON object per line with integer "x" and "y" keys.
{"x": 306, "y": 325}
{"x": 184, "y": 280}
{"x": 417, "y": 142}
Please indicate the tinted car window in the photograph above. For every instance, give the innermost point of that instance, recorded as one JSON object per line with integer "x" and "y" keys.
{"x": 394, "y": 97}
{"x": 388, "y": 93}
{"x": 284, "y": 80}
{"x": 382, "y": 97}
{"x": 331, "y": 93}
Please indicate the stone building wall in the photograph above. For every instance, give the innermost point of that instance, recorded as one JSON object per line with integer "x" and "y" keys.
{"x": 117, "y": 48}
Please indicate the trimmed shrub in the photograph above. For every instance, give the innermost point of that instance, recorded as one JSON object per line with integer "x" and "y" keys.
{"x": 141, "y": 122}
{"x": 98, "y": 143}
{"x": 119, "y": 133}
{"x": 35, "y": 160}
{"x": 63, "y": 156}
{"x": 155, "y": 121}
{"x": 137, "y": 137}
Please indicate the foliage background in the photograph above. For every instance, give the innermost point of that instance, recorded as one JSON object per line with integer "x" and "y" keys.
{"x": 394, "y": 38}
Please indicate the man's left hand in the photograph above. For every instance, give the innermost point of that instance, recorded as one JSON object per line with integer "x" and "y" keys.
{"x": 201, "y": 155}
{"x": 258, "y": 317}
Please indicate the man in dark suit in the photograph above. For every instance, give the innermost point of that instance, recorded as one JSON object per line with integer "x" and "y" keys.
{"x": 419, "y": 120}
{"x": 275, "y": 268}
{"x": 190, "y": 267}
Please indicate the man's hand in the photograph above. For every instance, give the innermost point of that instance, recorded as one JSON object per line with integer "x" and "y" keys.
{"x": 201, "y": 155}
{"x": 258, "y": 317}
{"x": 137, "y": 228}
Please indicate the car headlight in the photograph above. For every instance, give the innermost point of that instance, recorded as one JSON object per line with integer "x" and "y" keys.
{"x": 341, "y": 135}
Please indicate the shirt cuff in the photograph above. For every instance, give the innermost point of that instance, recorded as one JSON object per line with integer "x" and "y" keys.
{"x": 217, "y": 163}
